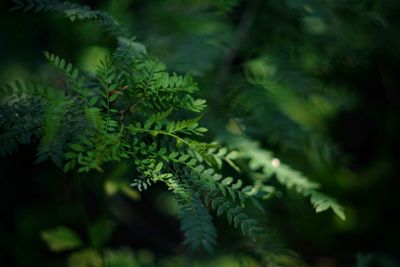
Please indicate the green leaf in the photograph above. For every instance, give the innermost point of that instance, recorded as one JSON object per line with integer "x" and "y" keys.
{"x": 129, "y": 192}
{"x": 100, "y": 232}
{"x": 69, "y": 67}
{"x": 67, "y": 167}
{"x": 110, "y": 187}
{"x": 201, "y": 129}
{"x": 77, "y": 147}
{"x": 183, "y": 158}
{"x": 61, "y": 238}
{"x": 93, "y": 100}
{"x": 339, "y": 211}
{"x": 113, "y": 97}
{"x": 69, "y": 155}
{"x": 85, "y": 258}
{"x": 257, "y": 204}
{"x": 158, "y": 167}
{"x": 75, "y": 74}
{"x": 120, "y": 258}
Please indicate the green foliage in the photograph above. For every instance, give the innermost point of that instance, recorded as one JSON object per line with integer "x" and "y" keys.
{"x": 61, "y": 238}
{"x": 197, "y": 223}
{"x": 160, "y": 91}
{"x": 21, "y": 108}
{"x": 85, "y": 258}
{"x": 148, "y": 136}
{"x": 72, "y": 11}
{"x": 131, "y": 111}
{"x": 100, "y": 233}
{"x": 261, "y": 161}
{"x": 120, "y": 258}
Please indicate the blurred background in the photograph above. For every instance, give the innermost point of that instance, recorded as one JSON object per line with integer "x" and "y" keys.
{"x": 315, "y": 82}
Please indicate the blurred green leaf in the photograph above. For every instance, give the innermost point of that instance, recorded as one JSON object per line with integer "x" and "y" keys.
{"x": 129, "y": 192}
{"x": 61, "y": 238}
{"x": 121, "y": 258}
{"x": 100, "y": 232}
{"x": 85, "y": 258}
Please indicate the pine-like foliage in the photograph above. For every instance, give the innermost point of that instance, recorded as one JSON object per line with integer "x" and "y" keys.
{"x": 128, "y": 112}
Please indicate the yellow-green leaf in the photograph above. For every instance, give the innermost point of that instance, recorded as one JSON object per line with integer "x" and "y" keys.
{"x": 61, "y": 238}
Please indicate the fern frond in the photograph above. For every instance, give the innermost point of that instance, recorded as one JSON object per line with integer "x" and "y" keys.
{"x": 127, "y": 51}
{"x": 203, "y": 181}
{"x": 322, "y": 202}
{"x": 196, "y": 223}
{"x": 236, "y": 216}
{"x": 155, "y": 89}
{"x": 174, "y": 130}
{"x": 71, "y": 73}
{"x": 54, "y": 132}
{"x": 21, "y": 109}
{"x": 263, "y": 161}
{"x": 125, "y": 113}
{"x": 92, "y": 153}
{"x": 72, "y": 11}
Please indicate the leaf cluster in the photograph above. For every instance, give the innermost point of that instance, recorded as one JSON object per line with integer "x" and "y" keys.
{"x": 128, "y": 112}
